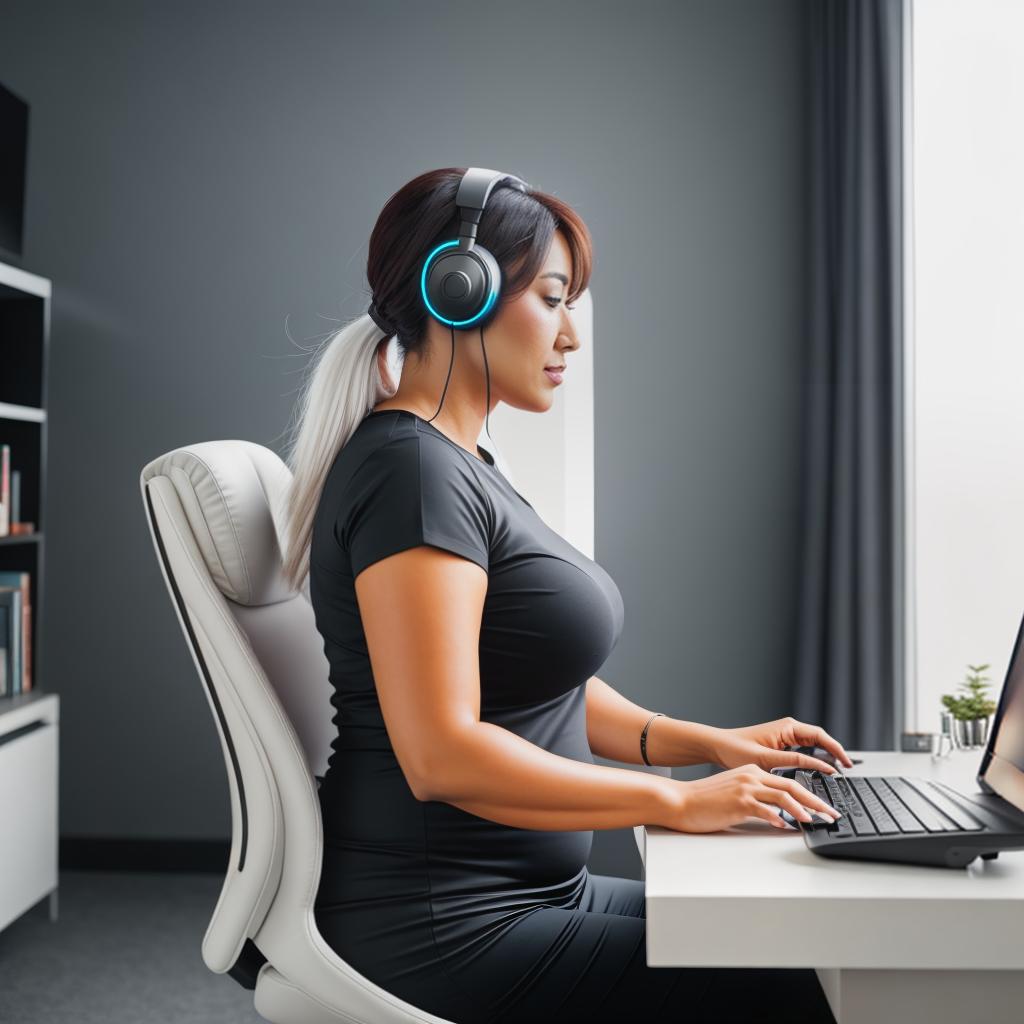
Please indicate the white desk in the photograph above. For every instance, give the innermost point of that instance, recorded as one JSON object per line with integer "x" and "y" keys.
{"x": 889, "y": 941}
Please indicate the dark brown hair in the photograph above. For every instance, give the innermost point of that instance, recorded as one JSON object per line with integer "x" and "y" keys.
{"x": 516, "y": 227}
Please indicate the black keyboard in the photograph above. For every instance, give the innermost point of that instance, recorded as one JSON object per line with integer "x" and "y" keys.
{"x": 911, "y": 820}
{"x": 888, "y": 805}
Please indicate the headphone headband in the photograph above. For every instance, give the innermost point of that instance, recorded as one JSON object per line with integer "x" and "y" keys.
{"x": 460, "y": 281}
{"x": 471, "y": 198}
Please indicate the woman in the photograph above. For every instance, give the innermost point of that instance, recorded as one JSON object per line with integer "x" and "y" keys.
{"x": 462, "y": 635}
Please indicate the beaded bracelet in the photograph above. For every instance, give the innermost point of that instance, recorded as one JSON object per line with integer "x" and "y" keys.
{"x": 643, "y": 738}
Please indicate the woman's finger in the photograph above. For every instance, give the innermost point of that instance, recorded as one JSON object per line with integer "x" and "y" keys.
{"x": 809, "y": 761}
{"x": 769, "y": 813}
{"x": 786, "y": 801}
{"x": 804, "y": 795}
{"x": 792, "y": 802}
{"x": 810, "y": 799}
{"x": 791, "y": 759}
{"x": 814, "y": 735}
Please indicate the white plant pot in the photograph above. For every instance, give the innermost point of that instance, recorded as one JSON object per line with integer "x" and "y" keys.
{"x": 971, "y": 732}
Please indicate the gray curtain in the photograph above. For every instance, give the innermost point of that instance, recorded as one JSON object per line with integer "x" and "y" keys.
{"x": 849, "y": 639}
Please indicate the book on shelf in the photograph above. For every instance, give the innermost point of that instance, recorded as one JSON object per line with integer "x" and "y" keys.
{"x": 10, "y": 498}
{"x": 15, "y": 633}
{"x": 15, "y": 588}
{"x": 5, "y": 490}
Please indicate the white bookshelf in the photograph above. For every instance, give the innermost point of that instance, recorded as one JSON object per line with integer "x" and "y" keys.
{"x": 29, "y": 721}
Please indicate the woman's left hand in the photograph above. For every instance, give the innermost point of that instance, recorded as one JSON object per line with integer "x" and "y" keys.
{"x": 764, "y": 745}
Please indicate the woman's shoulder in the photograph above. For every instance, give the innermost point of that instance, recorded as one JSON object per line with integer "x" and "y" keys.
{"x": 408, "y": 487}
{"x": 400, "y": 452}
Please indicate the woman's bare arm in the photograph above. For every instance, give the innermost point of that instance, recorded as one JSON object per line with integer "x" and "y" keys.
{"x": 614, "y": 725}
{"x": 421, "y": 610}
{"x": 496, "y": 774}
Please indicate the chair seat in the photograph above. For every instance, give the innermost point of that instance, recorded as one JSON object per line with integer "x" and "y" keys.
{"x": 280, "y": 1002}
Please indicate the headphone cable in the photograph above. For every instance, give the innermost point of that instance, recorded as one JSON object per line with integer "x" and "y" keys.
{"x": 451, "y": 363}
{"x": 487, "y": 373}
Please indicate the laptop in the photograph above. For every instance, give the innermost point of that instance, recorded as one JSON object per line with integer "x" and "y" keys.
{"x": 921, "y": 821}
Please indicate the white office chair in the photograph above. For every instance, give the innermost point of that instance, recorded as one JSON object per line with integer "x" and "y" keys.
{"x": 214, "y": 513}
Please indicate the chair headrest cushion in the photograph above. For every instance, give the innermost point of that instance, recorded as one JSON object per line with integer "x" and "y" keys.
{"x": 233, "y": 495}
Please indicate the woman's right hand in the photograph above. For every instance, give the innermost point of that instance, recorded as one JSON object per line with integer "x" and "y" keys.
{"x": 726, "y": 798}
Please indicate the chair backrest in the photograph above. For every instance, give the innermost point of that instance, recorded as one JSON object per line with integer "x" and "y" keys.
{"x": 215, "y": 513}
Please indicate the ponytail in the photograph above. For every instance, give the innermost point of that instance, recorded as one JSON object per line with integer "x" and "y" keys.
{"x": 344, "y": 385}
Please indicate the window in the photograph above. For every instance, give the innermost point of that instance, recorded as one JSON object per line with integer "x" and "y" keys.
{"x": 965, "y": 369}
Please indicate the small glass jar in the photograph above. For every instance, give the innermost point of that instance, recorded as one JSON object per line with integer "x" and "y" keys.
{"x": 945, "y": 739}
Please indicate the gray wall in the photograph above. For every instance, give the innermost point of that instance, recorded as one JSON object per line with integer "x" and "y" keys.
{"x": 203, "y": 179}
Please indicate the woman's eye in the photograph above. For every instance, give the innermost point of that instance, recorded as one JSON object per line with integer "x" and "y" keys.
{"x": 555, "y": 300}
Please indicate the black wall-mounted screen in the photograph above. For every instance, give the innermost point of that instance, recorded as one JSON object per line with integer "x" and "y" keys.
{"x": 13, "y": 152}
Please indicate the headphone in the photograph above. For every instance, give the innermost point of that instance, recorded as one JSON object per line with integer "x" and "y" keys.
{"x": 461, "y": 281}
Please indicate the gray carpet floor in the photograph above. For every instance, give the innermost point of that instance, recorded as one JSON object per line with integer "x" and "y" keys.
{"x": 125, "y": 949}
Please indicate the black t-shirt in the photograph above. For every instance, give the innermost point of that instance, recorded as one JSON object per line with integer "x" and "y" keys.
{"x": 550, "y": 619}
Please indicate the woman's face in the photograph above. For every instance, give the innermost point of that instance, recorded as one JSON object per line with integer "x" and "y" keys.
{"x": 531, "y": 332}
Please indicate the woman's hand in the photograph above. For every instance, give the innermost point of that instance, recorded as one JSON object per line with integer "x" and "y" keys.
{"x": 724, "y": 799}
{"x": 764, "y": 745}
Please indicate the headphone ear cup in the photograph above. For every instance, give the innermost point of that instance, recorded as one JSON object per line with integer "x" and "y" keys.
{"x": 461, "y": 287}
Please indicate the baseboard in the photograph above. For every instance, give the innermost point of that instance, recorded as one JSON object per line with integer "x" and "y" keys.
{"x": 89, "y": 853}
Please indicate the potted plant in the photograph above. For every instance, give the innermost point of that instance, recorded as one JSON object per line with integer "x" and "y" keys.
{"x": 972, "y": 710}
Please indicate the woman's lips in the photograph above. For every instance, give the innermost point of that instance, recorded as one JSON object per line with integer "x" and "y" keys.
{"x": 554, "y": 375}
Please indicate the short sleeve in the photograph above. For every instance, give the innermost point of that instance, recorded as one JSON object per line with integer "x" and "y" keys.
{"x": 412, "y": 491}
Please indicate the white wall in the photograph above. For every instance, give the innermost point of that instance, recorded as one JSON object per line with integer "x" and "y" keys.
{"x": 968, "y": 350}
{"x": 549, "y": 457}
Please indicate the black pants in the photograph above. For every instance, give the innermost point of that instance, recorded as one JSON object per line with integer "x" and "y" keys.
{"x": 580, "y": 958}
{"x": 589, "y": 965}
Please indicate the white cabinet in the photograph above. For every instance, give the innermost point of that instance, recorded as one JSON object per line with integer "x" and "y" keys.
{"x": 29, "y": 730}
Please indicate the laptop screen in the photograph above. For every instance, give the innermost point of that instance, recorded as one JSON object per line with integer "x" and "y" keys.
{"x": 1002, "y": 766}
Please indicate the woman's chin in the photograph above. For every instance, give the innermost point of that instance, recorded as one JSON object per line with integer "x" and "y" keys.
{"x": 540, "y": 402}
{"x": 547, "y": 399}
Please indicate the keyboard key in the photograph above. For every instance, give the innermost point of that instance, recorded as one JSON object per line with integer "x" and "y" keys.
{"x": 929, "y": 816}
{"x": 882, "y": 818}
{"x": 810, "y": 783}
{"x": 838, "y": 803}
{"x": 840, "y": 828}
{"x": 840, "y": 784}
{"x": 843, "y": 794}
{"x": 906, "y": 821}
{"x": 946, "y": 805}
{"x": 818, "y": 789}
